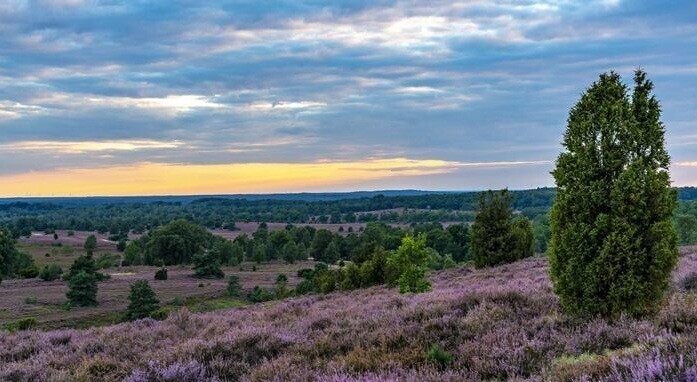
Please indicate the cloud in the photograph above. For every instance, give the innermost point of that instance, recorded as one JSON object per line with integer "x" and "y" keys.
{"x": 80, "y": 147}
{"x": 484, "y": 83}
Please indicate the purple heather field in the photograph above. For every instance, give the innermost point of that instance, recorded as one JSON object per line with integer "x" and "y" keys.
{"x": 502, "y": 323}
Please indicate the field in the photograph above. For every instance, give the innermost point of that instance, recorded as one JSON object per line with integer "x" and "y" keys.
{"x": 502, "y": 323}
{"x": 44, "y": 300}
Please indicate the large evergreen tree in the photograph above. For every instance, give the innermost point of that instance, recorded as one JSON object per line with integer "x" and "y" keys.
{"x": 613, "y": 245}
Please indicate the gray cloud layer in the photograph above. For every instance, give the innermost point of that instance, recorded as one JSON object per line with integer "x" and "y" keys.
{"x": 294, "y": 81}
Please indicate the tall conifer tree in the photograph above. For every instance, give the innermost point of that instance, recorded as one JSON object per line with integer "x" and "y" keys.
{"x": 613, "y": 245}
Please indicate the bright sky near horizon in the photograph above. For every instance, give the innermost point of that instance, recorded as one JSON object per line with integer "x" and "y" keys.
{"x": 189, "y": 97}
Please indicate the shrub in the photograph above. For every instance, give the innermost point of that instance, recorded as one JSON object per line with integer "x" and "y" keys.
{"x": 234, "y": 287}
{"x": 51, "y": 272}
{"x": 304, "y": 287}
{"x": 259, "y": 294}
{"x": 613, "y": 243}
{"x": 29, "y": 272}
{"x": 106, "y": 261}
{"x": 281, "y": 286}
{"x": 26, "y": 323}
{"x": 82, "y": 289}
{"x": 160, "y": 314}
{"x": 438, "y": 356}
{"x": 143, "y": 301}
{"x": 161, "y": 274}
{"x": 352, "y": 277}
{"x": 207, "y": 265}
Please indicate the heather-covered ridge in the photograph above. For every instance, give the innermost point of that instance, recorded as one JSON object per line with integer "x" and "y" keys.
{"x": 502, "y": 323}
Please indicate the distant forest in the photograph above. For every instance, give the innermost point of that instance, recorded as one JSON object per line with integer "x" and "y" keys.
{"x": 139, "y": 214}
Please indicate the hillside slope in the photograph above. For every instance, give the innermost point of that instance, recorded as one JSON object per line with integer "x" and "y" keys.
{"x": 498, "y": 324}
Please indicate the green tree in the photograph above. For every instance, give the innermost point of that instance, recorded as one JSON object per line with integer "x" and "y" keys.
{"x": 82, "y": 289}
{"x": 522, "y": 239}
{"x": 207, "y": 266}
{"x": 143, "y": 301}
{"x": 320, "y": 243}
{"x": 132, "y": 255}
{"x": 8, "y": 252}
{"x": 331, "y": 254}
{"x": 260, "y": 253}
{"x": 613, "y": 245}
{"x": 291, "y": 252}
{"x": 461, "y": 237}
{"x": 411, "y": 262}
{"x": 496, "y": 237}
{"x": 234, "y": 287}
{"x": 90, "y": 244}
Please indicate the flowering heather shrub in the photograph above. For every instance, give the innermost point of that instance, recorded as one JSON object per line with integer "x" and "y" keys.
{"x": 501, "y": 323}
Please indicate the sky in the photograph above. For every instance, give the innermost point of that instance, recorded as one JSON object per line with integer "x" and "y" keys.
{"x": 214, "y": 97}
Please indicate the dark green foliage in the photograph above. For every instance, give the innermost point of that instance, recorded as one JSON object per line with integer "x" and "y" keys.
{"x": 438, "y": 356}
{"x": 29, "y": 272}
{"x": 51, "y": 272}
{"x": 90, "y": 244}
{"x": 460, "y": 235}
{"x": 143, "y": 301}
{"x": 121, "y": 245}
{"x": 352, "y": 277}
{"x": 376, "y": 270}
{"x": 686, "y": 227}
{"x": 281, "y": 286}
{"x": 522, "y": 239}
{"x": 496, "y": 237}
{"x": 613, "y": 244}
{"x": 323, "y": 238}
{"x": 304, "y": 287}
{"x": 107, "y": 260}
{"x": 411, "y": 261}
{"x": 331, "y": 254}
{"x": 13, "y": 262}
{"x": 227, "y": 252}
{"x": 259, "y": 253}
{"x": 175, "y": 243}
{"x": 291, "y": 252}
{"x": 132, "y": 255}
{"x": 259, "y": 294}
{"x": 234, "y": 287}
{"x": 87, "y": 264}
{"x": 82, "y": 289}
{"x": 161, "y": 274}
{"x": 207, "y": 265}
{"x": 540, "y": 228}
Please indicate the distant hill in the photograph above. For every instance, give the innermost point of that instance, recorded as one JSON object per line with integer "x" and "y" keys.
{"x": 185, "y": 199}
